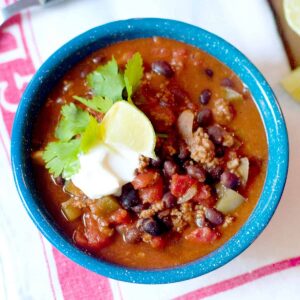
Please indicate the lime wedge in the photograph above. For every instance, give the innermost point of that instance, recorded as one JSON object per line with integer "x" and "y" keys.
{"x": 124, "y": 125}
{"x": 292, "y": 14}
{"x": 291, "y": 84}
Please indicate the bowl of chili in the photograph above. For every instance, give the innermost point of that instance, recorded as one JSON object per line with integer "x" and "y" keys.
{"x": 194, "y": 168}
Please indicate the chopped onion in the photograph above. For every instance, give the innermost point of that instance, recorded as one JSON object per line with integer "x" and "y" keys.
{"x": 185, "y": 125}
{"x": 232, "y": 95}
{"x": 243, "y": 170}
{"x": 189, "y": 194}
{"x": 229, "y": 201}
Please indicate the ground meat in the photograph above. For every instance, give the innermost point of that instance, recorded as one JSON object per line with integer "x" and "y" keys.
{"x": 200, "y": 216}
{"x": 106, "y": 230}
{"x": 214, "y": 163}
{"x": 154, "y": 208}
{"x": 228, "y": 139}
{"x": 233, "y": 164}
{"x": 178, "y": 59}
{"x": 187, "y": 212}
{"x": 232, "y": 155}
{"x": 201, "y": 147}
{"x": 227, "y": 221}
{"x": 223, "y": 111}
{"x": 143, "y": 163}
{"x": 170, "y": 149}
{"x": 177, "y": 220}
{"x": 146, "y": 237}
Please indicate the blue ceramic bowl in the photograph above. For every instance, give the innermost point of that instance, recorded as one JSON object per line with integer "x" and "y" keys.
{"x": 73, "y": 52}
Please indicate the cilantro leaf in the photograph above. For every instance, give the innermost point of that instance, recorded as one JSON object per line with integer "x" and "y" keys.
{"x": 106, "y": 81}
{"x": 133, "y": 74}
{"x": 91, "y": 136}
{"x": 62, "y": 158}
{"x": 74, "y": 121}
{"x": 97, "y": 103}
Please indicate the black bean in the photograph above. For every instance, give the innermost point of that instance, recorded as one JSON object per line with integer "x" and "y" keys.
{"x": 169, "y": 200}
{"x": 205, "y": 96}
{"x": 216, "y": 134}
{"x": 170, "y": 168}
{"x": 196, "y": 172}
{"x": 132, "y": 235}
{"x": 215, "y": 173}
{"x": 153, "y": 227}
{"x": 204, "y": 117}
{"x": 163, "y": 68}
{"x": 227, "y": 82}
{"x": 126, "y": 188}
{"x": 230, "y": 180}
{"x": 129, "y": 197}
{"x": 184, "y": 152}
{"x": 214, "y": 216}
{"x": 209, "y": 72}
{"x": 166, "y": 222}
{"x": 156, "y": 163}
{"x": 219, "y": 151}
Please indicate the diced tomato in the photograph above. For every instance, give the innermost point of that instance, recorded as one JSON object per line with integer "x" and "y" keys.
{"x": 152, "y": 193}
{"x": 79, "y": 237}
{"x": 89, "y": 236}
{"x": 204, "y": 196}
{"x": 120, "y": 216}
{"x": 180, "y": 184}
{"x": 145, "y": 179}
{"x": 95, "y": 238}
{"x": 203, "y": 191}
{"x": 202, "y": 235}
{"x": 157, "y": 242}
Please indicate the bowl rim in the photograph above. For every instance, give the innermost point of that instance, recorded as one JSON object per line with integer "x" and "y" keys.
{"x": 270, "y": 113}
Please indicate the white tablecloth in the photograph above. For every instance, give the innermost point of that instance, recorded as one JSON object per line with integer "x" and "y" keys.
{"x": 31, "y": 269}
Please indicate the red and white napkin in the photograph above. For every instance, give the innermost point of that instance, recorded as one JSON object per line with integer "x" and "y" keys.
{"x": 30, "y": 268}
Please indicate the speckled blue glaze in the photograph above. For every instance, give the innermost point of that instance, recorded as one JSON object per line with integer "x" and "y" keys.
{"x": 74, "y": 51}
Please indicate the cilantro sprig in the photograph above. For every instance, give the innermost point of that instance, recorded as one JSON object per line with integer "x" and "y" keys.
{"x": 133, "y": 74}
{"x": 107, "y": 83}
{"x": 77, "y": 131}
{"x": 61, "y": 158}
{"x": 91, "y": 136}
{"x": 73, "y": 122}
{"x": 97, "y": 103}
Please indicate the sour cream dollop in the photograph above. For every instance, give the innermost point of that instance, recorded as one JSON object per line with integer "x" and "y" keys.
{"x": 103, "y": 170}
